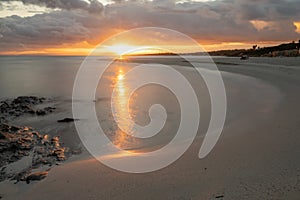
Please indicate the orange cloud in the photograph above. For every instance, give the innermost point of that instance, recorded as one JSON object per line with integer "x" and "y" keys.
{"x": 260, "y": 25}
{"x": 297, "y": 24}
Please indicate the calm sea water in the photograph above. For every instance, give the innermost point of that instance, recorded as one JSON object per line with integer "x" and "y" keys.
{"x": 42, "y": 76}
{"x": 54, "y": 76}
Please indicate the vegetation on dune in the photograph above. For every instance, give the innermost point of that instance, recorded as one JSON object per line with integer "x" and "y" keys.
{"x": 288, "y": 50}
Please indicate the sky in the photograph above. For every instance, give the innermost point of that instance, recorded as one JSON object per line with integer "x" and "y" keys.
{"x": 74, "y": 27}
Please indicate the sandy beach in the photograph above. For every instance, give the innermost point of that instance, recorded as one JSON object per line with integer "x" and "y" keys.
{"x": 257, "y": 156}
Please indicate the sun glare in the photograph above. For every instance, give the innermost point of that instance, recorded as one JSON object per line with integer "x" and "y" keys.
{"x": 120, "y": 77}
{"x": 121, "y": 49}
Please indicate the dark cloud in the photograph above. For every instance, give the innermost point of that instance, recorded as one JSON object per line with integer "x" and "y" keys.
{"x": 42, "y": 30}
{"x": 216, "y": 21}
{"x": 269, "y": 9}
{"x": 226, "y": 20}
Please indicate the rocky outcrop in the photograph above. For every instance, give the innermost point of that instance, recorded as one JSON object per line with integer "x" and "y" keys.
{"x": 10, "y": 109}
{"x": 24, "y": 152}
{"x": 18, "y": 142}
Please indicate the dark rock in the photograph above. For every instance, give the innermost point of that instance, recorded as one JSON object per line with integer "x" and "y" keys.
{"x": 36, "y": 176}
{"x": 76, "y": 151}
{"x": 4, "y": 106}
{"x": 14, "y": 128}
{"x": 49, "y": 109}
{"x": 29, "y": 109}
{"x": 43, "y": 160}
{"x": 2, "y": 136}
{"x": 23, "y": 105}
{"x": 21, "y": 176}
{"x": 66, "y": 120}
{"x": 220, "y": 196}
{"x": 41, "y": 112}
{"x": 27, "y": 99}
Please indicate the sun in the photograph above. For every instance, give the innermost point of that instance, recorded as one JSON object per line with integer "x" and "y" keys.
{"x": 121, "y": 49}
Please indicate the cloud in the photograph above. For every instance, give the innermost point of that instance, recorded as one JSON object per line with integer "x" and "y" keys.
{"x": 42, "y": 30}
{"x": 92, "y": 6}
{"x": 269, "y": 9}
{"x": 214, "y": 22}
{"x": 226, "y": 20}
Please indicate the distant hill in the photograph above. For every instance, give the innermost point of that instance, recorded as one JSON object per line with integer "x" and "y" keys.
{"x": 289, "y": 50}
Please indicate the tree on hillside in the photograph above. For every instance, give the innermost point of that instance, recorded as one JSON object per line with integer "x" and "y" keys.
{"x": 298, "y": 47}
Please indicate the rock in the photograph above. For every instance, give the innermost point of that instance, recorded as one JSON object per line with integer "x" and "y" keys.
{"x": 23, "y": 105}
{"x": 27, "y": 100}
{"x": 76, "y": 151}
{"x": 55, "y": 141}
{"x": 29, "y": 109}
{"x": 21, "y": 176}
{"x": 49, "y": 109}
{"x": 41, "y": 112}
{"x": 14, "y": 128}
{"x": 60, "y": 154}
{"x": 18, "y": 142}
{"x": 5, "y": 127}
{"x": 4, "y": 106}
{"x": 2, "y": 136}
{"x": 220, "y": 196}
{"x": 66, "y": 120}
{"x": 45, "y": 139}
{"x": 36, "y": 176}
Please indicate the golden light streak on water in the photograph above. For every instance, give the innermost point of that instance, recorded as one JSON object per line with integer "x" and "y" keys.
{"x": 122, "y": 108}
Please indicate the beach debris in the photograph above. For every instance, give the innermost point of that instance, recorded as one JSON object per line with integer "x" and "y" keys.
{"x": 66, "y": 120}
{"x": 18, "y": 142}
{"x": 11, "y": 108}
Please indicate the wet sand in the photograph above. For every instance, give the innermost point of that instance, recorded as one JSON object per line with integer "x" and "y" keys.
{"x": 257, "y": 156}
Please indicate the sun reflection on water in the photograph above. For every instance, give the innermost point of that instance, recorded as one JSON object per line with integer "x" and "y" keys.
{"x": 122, "y": 108}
